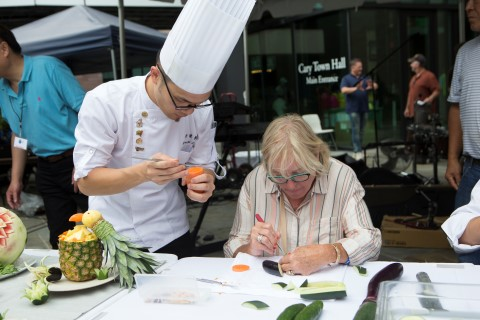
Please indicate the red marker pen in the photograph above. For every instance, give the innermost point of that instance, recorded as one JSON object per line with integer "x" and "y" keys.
{"x": 259, "y": 219}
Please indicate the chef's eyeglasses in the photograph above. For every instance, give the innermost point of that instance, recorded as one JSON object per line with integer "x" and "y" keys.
{"x": 298, "y": 177}
{"x": 187, "y": 107}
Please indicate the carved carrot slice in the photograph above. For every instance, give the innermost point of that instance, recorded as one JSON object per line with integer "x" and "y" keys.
{"x": 192, "y": 173}
{"x": 240, "y": 267}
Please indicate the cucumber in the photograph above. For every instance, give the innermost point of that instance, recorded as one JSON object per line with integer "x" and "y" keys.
{"x": 291, "y": 311}
{"x": 304, "y": 284}
{"x": 255, "y": 304}
{"x": 323, "y": 290}
{"x": 361, "y": 270}
{"x": 279, "y": 285}
{"x": 311, "y": 312}
{"x": 366, "y": 311}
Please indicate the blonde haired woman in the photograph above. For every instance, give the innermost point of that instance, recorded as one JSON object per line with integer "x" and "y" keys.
{"x": 311, "y": 204}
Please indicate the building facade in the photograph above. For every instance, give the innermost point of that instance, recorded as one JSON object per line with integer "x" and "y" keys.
{"x": 295, "y": 64}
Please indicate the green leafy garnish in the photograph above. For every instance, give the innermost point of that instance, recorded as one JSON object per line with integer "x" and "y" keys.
{"x": 3, "y": 315}
{"x": 102, "y": 273}
{"x": 40, "y": 272}
{"x": 7, "y": 269}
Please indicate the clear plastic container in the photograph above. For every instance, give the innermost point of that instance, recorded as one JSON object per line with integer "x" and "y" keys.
{"x": 402, "y": 300}
{"x": 155, "y": 288}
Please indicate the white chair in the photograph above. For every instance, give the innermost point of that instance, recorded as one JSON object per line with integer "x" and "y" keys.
{"x": 314, "y": 122}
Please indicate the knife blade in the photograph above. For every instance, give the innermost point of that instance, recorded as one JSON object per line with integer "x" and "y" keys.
{"x": 428, "y": 289}
{"x": 216, "y": 282}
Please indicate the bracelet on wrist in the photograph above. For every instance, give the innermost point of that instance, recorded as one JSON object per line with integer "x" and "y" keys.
{"x": 337, "y": 251}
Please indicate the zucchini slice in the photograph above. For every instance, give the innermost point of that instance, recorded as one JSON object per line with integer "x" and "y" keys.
{"x": 361, "y": 270}
{"x": 279, "y": 285}
{"x": 323, "y": 290}
{"x": 290, "y": 286}
{"x": 255, "y": 304}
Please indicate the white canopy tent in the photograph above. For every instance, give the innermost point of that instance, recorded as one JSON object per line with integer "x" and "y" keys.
{"x": 87, "y": 40}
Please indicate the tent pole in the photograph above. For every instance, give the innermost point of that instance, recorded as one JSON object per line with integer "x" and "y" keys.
{"x": 121, "y": 24}
{"x": 461, "y": 21}
{"x": 246, "y": 74}
{"x": 114, "y": 67}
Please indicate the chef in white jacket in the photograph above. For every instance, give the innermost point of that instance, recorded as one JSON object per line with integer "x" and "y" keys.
{"x": 463, "y": 229}
{"x": 165, "y": 116}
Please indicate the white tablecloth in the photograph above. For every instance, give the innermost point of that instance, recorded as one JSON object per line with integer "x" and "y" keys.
{"x": 225, "y": 302}
{"x": 60, "y": 305}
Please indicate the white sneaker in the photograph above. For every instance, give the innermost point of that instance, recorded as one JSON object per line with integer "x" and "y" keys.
{"x": 358, "y": 156}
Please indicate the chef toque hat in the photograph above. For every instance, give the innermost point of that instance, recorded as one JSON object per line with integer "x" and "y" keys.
{"x": 201, "y": 41}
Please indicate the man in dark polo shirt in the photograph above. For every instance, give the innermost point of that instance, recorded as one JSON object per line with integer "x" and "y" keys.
{"x": 356, "y": 86}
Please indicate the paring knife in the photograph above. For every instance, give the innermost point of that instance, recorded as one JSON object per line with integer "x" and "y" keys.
{"x": 429, "y": 290}
{"x": 188, "y": 164}
{"x": 216, "y": 282}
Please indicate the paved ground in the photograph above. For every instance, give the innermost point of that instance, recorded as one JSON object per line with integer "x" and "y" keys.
{"x": 219, "y": 217}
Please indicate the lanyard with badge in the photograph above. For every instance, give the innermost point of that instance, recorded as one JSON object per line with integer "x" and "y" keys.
{"x": 19, "y": 142}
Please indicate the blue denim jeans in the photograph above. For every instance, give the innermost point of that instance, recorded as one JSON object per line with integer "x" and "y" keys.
{"x": 470, "y": 176}
{"x": 358, "y": 122}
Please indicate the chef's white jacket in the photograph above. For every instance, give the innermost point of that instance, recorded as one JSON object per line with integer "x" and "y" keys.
{"x": 118, "y": 122}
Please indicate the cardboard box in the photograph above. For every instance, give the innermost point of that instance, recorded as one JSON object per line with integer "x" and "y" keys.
{"x": 396, "y": 234}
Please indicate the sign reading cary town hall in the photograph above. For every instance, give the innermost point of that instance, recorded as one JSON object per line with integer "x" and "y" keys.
{"x": 321, "y": 72}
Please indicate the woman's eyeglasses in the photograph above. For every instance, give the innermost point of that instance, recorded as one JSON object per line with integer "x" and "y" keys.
{"x": 299, "y": 177}
{"x": 187, "y": 107}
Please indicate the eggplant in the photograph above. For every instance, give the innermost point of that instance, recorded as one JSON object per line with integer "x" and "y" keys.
{"x": 272, "y": 267}
{"x": 367, "y": 309}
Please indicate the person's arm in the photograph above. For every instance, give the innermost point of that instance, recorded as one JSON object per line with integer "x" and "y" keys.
{"x": 471, "y": 236}
{"x": 19, "y": 160}
{"x": 308, "y": 259}
{"x": 362, "y": 240}
{"x": 463, "y": 226}
{"x": 106, "y": 181}
{"x": 409, "y": 108}
{"x": 434, "y": 87}
{"x": 432, "y": 97}
{"x": 348, "y": 90}
{"x": 245, "y": 230}
{"x": 453, "y": 173}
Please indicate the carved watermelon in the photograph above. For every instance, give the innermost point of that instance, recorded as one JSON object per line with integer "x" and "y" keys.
{"x": 13, "y": 236}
